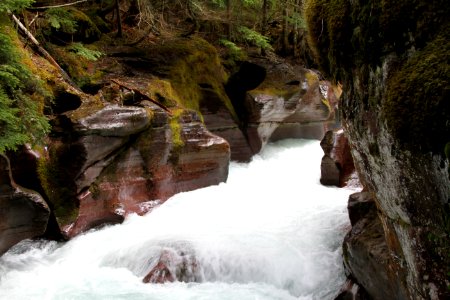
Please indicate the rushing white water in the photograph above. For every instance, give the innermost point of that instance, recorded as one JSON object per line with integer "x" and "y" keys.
{"x": 271, "y": 232}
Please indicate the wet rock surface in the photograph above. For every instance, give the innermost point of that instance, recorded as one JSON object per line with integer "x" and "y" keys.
{"x": 23, "y": 213}
{"x": 147, "y": 168}
{"x": 174, "y": 265}
{"x": 395, "y": 113}
{"x": 337, "y": 165}
{"x": 352, "y": 291}
{"x": 367, "y": 258}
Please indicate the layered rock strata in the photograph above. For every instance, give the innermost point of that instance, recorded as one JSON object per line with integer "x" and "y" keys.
{"x": 129, "y": 159}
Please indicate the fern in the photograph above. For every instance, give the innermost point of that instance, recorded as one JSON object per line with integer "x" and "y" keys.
{"x": 87, "y": 53}
{"x": 230, "y": 45}
{"x": 10, "y": 75}
{"x": 21, "y": 119}
{"x": 255, "y": 38}
{"x": 14, "y": 5}
{"x": 61, "y": 20}
{"x": 11, "y": 133}
{"x": 234, "y": 52}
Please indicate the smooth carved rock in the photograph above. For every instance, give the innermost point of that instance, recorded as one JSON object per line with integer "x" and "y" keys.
{"x": 150, "y": 170}
{"x": 23, "y": 213}
{"x": 302, "y": 111}
{"x": 220, "y": 121}
{"x": 337, "y": 163}
{"x": 114, "y": 120}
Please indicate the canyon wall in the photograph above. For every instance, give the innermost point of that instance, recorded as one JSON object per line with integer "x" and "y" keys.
{"x": 392, "y": 59}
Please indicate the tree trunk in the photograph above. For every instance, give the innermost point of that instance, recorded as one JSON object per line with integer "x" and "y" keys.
{"x": 228, "y": 29}
{"x": 296, "y": 21}
{"x": 119, "y": 20}
{"x": 285, "y": 35}
{"x": 264, "y": 22}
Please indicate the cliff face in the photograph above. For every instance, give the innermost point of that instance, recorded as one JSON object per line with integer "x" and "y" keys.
{"x": 392, "y": 58}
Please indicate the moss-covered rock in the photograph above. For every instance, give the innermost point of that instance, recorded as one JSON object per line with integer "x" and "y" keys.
{"x": 392, "y": 58}
{"x": 190, "y": 64}
{"x": 83, "y": 71}
{"x": 344, "y": 34}
{"x": 55, "y": 172}
{"x": 417, "y": 105}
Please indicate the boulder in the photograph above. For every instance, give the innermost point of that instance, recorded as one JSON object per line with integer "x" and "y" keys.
{"x": 273, "y": 100}
{"x": 359, "y": 205}
{"x": 350, "y": 290}
{"x": 367, "y": 258}
{"x": 337, "y": 166}
{"x": 25, "y": 171}
{"x": 174, "y": 265}
{"x": 23, "y": 213}
{"x": 159, "y": 274}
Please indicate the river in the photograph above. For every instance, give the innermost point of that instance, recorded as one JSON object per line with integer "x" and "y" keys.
{"x": 271, "y": 232}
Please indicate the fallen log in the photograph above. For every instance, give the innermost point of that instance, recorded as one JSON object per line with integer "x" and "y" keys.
{"x": 139, "y": 93}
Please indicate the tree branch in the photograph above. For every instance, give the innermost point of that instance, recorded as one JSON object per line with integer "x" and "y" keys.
{"x": 57, "y": 6}
{"x": 142, "y": 95}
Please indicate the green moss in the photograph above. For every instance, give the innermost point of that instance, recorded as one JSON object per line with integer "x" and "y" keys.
{"x": 95, "y": 190}
{"x": 190, "y": 64}
{"x": 417, "y": 107}
{"x": 329, "y": 34}
{"x": 175, "y": 128}
{"x": 447, "y": 150}
{"x": 54, "y": 176}
{"x": 88, "y": 106}
{"x": 286, "y": 92}
{"x": 163, "y": 91}
{"x": 349, "y": 39}
{"x": 81, "y": 69}
{"x": 345, "y": 35}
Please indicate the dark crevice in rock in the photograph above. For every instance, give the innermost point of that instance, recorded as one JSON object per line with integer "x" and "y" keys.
{"x": 65, "y": 102}
{"x": 247, "y": 78}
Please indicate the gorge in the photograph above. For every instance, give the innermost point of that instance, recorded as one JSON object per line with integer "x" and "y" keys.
{"x": 254, "y": 236}
{"x": 170, "y": 159}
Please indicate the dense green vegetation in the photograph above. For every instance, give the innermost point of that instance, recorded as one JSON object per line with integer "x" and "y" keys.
{"x": 21, "y": 93}
{"x": 76, "y": 34}
{"x": 358, "y": 36}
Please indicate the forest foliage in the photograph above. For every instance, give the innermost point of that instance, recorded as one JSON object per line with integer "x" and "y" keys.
{"x": 21, "y": 117}
{"x": 231, "y": 25}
